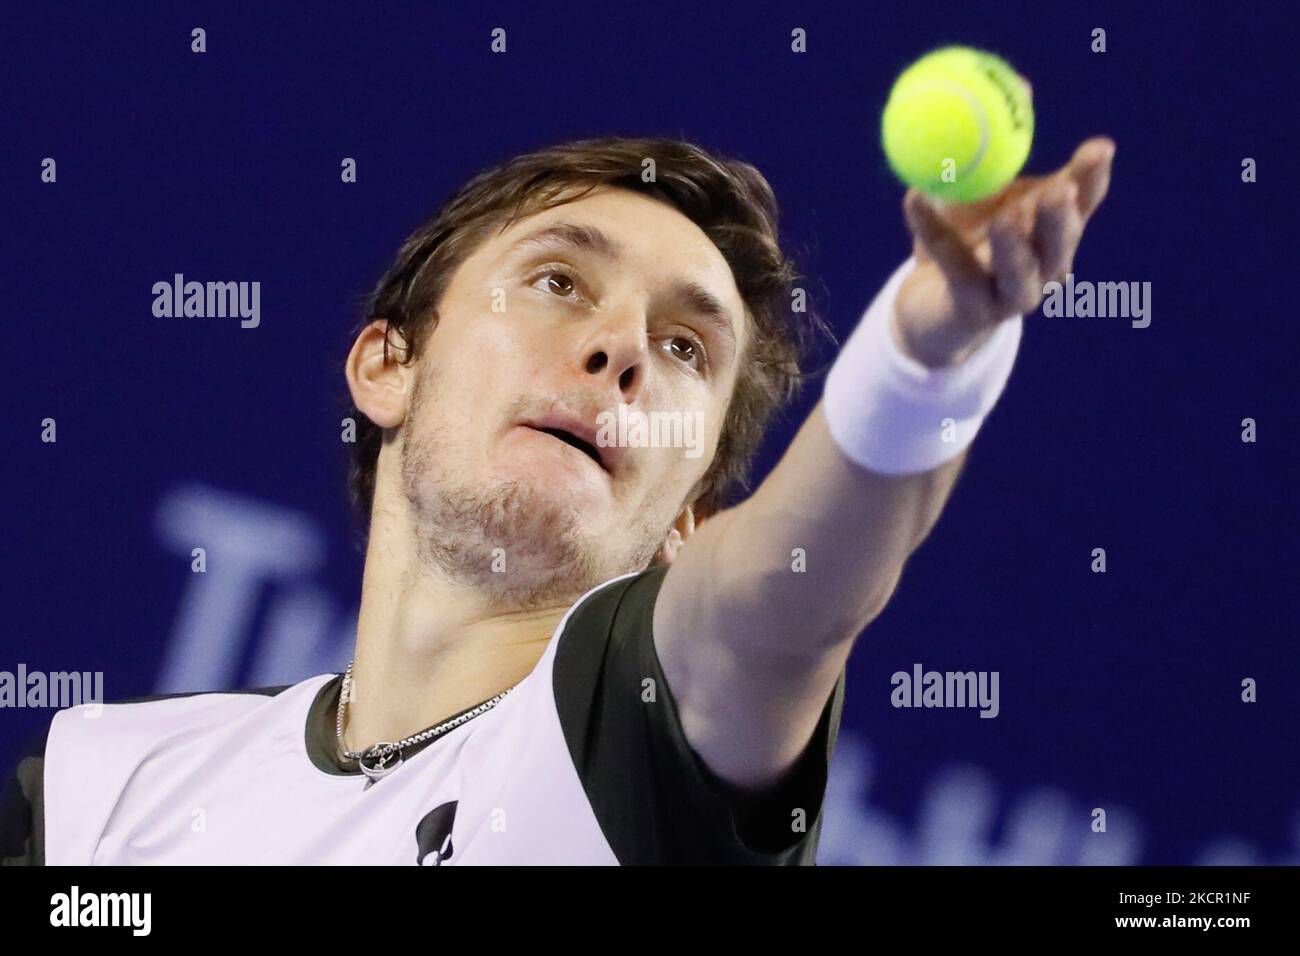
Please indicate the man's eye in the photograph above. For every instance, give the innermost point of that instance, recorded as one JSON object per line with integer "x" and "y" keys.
{"x": 686, "y": 350}
{"x": 560, "y": 283}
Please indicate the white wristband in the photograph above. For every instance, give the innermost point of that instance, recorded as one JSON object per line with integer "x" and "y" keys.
{"x": 893, "y": 415}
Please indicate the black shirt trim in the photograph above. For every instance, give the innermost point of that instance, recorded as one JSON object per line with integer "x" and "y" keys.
{"x": 656, "y": 801}
{"x": 322, "y": 732}
{"x": 22, "y": 808}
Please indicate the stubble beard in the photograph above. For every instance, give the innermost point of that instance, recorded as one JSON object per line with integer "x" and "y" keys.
{"x": 545, "y": 557}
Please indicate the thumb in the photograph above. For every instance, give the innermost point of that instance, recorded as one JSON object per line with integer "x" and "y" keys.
{"x": 942, "y": 241}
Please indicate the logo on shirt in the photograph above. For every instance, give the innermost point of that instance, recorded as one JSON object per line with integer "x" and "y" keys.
{"x": 433, "y": 835}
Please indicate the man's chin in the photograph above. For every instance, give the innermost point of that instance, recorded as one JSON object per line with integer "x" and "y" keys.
{"x": 583, "y": 489}
{"x": 524, "y": 542}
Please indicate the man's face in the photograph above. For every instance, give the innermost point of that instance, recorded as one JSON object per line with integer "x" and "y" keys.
{"x": 543, "y": 332}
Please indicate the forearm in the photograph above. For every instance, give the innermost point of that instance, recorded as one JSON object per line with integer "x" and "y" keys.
{"x": 821, "y": 544}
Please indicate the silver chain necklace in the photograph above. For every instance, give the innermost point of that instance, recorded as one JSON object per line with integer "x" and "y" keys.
{"x": 375, "y": 759}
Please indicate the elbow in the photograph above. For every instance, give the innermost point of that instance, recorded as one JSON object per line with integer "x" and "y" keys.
{"x": 873, "y": 600}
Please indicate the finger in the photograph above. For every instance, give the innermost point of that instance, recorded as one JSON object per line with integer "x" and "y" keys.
{"x": 1090, "y": 169}
{"x": 1057, "y": 230}
{"x": 974, "y": 217}
{"x": 943, "y": 242}
{"x": 1016, "y": 273}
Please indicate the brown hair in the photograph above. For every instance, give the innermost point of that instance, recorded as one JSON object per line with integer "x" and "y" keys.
{"x": 729, "y": 200}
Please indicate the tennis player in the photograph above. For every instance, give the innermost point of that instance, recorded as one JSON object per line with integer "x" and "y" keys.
{"x": 577, "y": 646}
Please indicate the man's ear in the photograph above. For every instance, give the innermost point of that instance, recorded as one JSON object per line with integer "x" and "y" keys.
{"x": 376, "y": 379}
{"x": 682, "y": 529}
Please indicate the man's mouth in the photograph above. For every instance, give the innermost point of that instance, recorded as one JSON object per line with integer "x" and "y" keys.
{"x": 573, "y": 441}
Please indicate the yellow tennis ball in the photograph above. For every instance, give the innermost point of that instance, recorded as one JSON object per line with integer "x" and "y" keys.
{"x": 958, "y": 124}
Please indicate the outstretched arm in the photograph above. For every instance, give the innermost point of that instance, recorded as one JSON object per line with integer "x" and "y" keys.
{"x": 751, "y": 648}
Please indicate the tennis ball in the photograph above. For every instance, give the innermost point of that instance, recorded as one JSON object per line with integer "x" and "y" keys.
{"x": 958, "y": 124}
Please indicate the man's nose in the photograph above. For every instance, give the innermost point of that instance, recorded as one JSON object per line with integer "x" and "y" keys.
{"x": 615, "y": 352}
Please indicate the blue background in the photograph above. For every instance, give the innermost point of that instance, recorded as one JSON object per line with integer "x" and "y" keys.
{"x": 1119, "y": 690}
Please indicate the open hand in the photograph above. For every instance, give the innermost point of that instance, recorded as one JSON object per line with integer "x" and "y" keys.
{"x": 981, "y": 263}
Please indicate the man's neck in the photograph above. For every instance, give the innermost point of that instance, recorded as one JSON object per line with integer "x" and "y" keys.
{"x": 429, "y": 647}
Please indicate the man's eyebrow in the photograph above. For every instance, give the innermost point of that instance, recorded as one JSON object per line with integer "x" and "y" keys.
{"x": 588, "y": 238}
{"x": 690, "y": 294}
{"x": 706, "y": 305}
